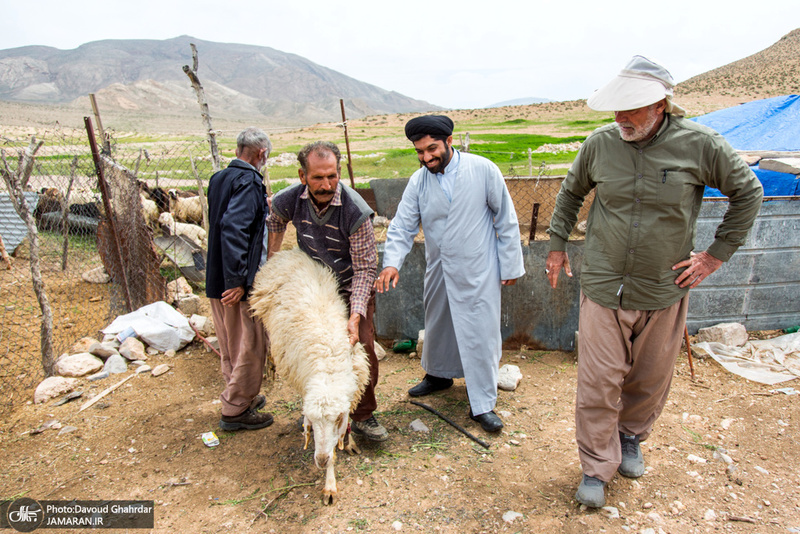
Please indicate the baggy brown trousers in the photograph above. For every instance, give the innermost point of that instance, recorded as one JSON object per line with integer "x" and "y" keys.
{"x": 243, "y": 345}
{"x": 625, "y": 363}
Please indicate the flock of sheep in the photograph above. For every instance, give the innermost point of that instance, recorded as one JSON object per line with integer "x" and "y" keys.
{"x": 172, "y": 212}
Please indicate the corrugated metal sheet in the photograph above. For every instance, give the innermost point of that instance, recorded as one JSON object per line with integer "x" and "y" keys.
{"x": 760, "y": 285}
{"x": 12, "y": 228}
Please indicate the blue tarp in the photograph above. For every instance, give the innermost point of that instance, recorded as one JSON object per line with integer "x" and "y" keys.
{"x": 770, "y": 124}
{"x": 776, "y": 184}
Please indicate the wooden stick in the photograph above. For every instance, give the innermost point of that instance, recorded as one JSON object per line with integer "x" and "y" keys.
{"x": 688, "y": 349}
{"x": 347, "y": 144}
{"x": 204, "y": 340}
{"x": 453, "y": 424}
{"x": 204, "y": 112}
{"x": 105, "y": 392}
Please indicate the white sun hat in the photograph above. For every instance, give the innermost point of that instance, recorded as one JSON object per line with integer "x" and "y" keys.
{"x": 642, "y": 82}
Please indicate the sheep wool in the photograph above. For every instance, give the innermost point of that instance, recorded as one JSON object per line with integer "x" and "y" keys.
{"x": 297, "y": 300}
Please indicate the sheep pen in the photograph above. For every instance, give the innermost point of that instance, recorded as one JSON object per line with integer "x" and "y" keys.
{"x": 297, "y": 300}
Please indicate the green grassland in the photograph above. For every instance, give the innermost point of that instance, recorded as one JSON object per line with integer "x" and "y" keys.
{"x": 378, "y": 146}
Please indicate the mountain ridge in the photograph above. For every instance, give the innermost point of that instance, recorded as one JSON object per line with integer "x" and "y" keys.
{"x": 263, "y": 79}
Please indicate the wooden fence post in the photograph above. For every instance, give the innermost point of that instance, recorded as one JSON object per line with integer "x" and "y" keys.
{"x": 201, "y": 99}
{"x": 17, "y": 183}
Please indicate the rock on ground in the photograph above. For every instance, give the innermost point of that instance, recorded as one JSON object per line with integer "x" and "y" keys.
{"x": 103, "y": 350}
{"x": 78, "y": 364}
{"x": 730, "y": 334}
{"x": 82, "y": 345}
{"x": 380, "y": 352}
{"x": 159, "y": 370}
{"x": 508, "y": 377}
{"x": 97, "y": 275}
{"x": 116, "y": 364}
{"x": 132, "y": 349}
{"x": 53, "y": 387}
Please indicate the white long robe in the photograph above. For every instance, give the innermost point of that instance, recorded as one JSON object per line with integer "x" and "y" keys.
{"x": 471, "y": 244}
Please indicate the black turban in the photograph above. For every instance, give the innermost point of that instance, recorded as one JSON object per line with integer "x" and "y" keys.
{"x": 429, "y": 125}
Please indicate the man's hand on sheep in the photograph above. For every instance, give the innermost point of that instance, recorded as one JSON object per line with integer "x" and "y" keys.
{"x": 352, "y": 327}
{"x": 388, "y": 276}
{"x": 232, "y": 296}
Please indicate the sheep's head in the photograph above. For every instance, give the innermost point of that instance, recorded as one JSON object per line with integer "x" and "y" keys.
{"x": 326, "y": 409}
{"x": 166, "y": 219}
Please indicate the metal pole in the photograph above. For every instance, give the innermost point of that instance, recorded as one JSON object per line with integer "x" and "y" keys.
{"x": 101, "y": 181}
{"x": 347, "y": 143}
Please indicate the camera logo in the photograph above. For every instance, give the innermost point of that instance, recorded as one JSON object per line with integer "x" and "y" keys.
{"x": 25, "y": 515}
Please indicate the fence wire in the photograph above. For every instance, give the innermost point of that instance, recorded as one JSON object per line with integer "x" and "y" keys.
{"x": 95, "y": 267}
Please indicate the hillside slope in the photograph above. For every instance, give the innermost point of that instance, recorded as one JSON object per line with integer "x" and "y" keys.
{"x": 241, "y": 80}
{"x": 773, "y": 71}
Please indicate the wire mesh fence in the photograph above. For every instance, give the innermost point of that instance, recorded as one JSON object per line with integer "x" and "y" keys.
{"x": 95, "y": 267}
{"x": 61, "y": 196}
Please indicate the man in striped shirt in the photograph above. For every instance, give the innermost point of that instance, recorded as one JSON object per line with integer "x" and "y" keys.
{"x": 334, "y": 226}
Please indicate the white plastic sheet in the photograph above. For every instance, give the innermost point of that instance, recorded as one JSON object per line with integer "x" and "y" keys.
{"x": 159, "y": 325}
{"x": 768, "y": 361}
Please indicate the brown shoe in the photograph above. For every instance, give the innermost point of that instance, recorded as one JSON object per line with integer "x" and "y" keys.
{"x": 258, "y": 402}
{"x": 249, "y": 420}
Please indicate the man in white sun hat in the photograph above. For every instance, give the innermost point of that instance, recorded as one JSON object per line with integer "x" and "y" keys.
{"x": 649, "y": 169}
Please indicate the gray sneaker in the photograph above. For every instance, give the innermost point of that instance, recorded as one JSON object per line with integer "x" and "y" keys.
{"x": 370, "y": 429}
{"x": 591, "y": 492}
{"x": 632, "y": 465}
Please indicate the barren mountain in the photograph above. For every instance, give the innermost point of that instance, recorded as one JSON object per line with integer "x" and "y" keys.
{"x": 146, "y": 75}
{"x": 772, "y": 72}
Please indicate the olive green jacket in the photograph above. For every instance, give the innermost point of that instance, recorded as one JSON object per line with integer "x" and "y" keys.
{"x": 644, "y": 216}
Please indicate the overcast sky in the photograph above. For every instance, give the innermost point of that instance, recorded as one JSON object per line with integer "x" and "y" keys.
{"x": 466, "y": 54}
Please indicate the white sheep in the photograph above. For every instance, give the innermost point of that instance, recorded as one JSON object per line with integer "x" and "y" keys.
{"x": 185, "y": 209}
{"x": 191, "y": 231}
{"x": 149, "y": 211}
{"x": 297, "y": 299}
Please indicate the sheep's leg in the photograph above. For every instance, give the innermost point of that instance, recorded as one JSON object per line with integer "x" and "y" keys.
{"x": 329, "y": 493}
{"x": 350, "y": 444}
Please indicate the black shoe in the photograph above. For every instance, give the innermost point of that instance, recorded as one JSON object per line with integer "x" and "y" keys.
{"x": 430, "y": 384}
{"x": 489, "y": 421}
{"x": 249, "y": 420}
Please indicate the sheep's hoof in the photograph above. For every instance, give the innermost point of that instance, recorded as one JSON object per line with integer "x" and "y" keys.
{"x": 328, "y": 497}
{"x": 350, "y": 445}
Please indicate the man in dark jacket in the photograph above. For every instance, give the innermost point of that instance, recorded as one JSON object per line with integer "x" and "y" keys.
{"x": 237, "y": 210}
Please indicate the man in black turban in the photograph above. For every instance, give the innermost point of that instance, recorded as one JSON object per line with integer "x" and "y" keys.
{"x": 472, "y": 247}
{"x": 433, "y": 125}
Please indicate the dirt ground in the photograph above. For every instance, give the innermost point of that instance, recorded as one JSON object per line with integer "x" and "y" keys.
{"x": 143, "y": 442}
